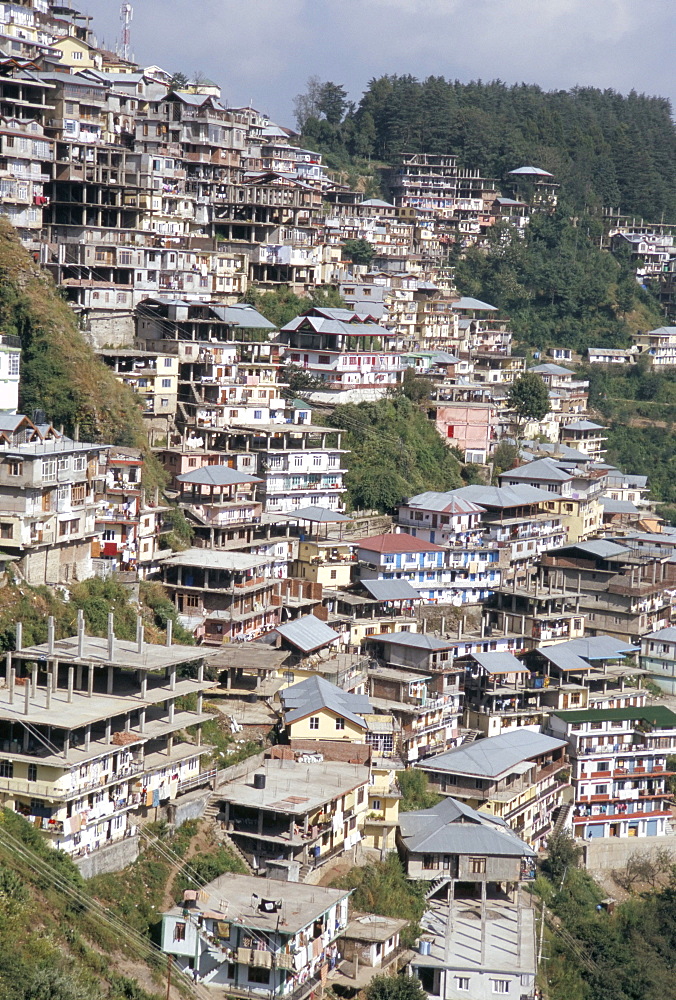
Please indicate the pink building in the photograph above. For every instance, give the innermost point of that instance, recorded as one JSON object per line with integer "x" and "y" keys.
{"x": 471, "y": 427}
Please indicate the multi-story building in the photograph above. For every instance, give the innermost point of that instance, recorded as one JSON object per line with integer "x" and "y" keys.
{"x": 48, "y": 506}
{"x": 400, "y": 556}
{"x": 577, "y": 493}
{"x": 516, "y": 519}
{"x": 479, "y": 940}
{"x": 585, "y": 436}
{"x": 658, "y": 656}
{"x": 296, "y": 811}
{"x": 621, "y": 590}
{"x": 10, "y": 367}
{"x": 90, "y": 730}
{"x": 619, "y": 769}
{"x": 456, "y": 524}
{"x": 154, "y": 378}
{"x": 519, "y": 777}
{"x": 257, "y": 936}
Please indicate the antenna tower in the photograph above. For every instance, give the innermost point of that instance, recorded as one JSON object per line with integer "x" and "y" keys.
{"x": 126, "y": 15}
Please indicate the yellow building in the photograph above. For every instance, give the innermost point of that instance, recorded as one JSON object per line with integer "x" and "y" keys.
{"x": 382, "y": 816}
{"x": 328, "y": 563}
{"x": 77, "y": 54}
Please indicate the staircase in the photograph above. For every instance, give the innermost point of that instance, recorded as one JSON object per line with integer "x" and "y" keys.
{"x": 470, "y": 736}
{"x": 303, "y": 872}
{"x": 211, "y": 815}
{"x": 438, "y": 883}
{"x": 562, "y": 818}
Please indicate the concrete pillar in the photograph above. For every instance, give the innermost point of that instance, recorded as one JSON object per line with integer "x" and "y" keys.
{"x": 109, "y": 730}
{"x": 66, "y": 744}
{"x": 9, "y": 677}
{"x": 55, "y": 675}
{"x": 172, "y": 677}
{"x": 34, "y": 679}
{"x": 171, "y": 708}
{"x": 199, "y": 702}
{"x": 142, "y": 720}
{"x": 144, "y": 685}
{"x": 170, "y": 744}
{"x": 90, "y": 680}
{"x": 200, "y": 671}
{"x": 170, "y": 629}
{"x": 78, "y": 676}
{"x": 18, "y": 636}
{"x": 109, "y": 680}
{"x": 111, "y": 636}
{"x": 26, "y": 696}
{"x": 50, "y": 635}
{"x": 71, "y": 673}
{"x": 48, "y": 691}
{"x": 88, "y": 736}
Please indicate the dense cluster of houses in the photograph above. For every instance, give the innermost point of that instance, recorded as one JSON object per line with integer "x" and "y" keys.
{"x": 504, "y": 640}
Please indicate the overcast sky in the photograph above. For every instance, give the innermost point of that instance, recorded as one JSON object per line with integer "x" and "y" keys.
{"x": 263, "y": 51}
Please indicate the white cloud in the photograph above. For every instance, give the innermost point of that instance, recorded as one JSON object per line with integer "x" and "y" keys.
{"x": 264, "y": 50}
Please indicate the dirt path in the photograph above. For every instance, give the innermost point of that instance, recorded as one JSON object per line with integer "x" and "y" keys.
{"x": 202, "y": 840}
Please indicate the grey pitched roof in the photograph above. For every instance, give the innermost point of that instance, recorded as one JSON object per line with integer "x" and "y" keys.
{"x": 447, "y": 503}
{"x": 551, "y": 369}
{"x": 598, "y": 647}
{"x": 667, "y": 634}
{"x": 500, "y": 663}
{"x": 564, "y": 658}
{"x": 617, "y": 506}
{"x": 451, "y": 827}
{"x": 502, "y": 496}
{"x": 320, "y": 515}
{"x": 530, "y": 172}
{"x": 496, "y": 755}
{"x": 307, "y": 633}
{"x": 602, "y": 548}
{"x": 616, "y": 477}
{"x": 316, "y": 693}
{"x": 216, "y": 475}
{"x": 544, "y": 469}
{"x": 391, "y": 590}
{"x": 243, "y": 316}
{"x": 467, "y": 302}
{"x": 416, "y": 640}
{"x": 583, "y": 425}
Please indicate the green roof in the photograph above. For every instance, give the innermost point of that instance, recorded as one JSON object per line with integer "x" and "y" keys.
{"x": 659, "y": 715}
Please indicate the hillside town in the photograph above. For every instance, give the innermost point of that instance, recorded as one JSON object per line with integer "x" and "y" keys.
{"x": 511, "y": 641}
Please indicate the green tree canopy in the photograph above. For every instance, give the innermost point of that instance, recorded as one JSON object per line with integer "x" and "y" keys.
{"x": 358, "y": 251}
{"x": 395, "y": 988}
{"x": 528, "y": 397}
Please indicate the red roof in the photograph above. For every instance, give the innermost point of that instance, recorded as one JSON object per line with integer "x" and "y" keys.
{"x": 400, "y": 542}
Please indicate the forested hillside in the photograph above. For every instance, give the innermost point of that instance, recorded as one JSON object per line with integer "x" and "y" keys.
{"x": 605, "y": 149}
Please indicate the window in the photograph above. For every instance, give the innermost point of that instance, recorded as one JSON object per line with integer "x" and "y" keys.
{"x": 360, "y": 796}
{"x": 179, "y": 932}
{"x": 258, "y": 414}
{"x": 323, "y": 359}
{"x": 192, "y": 601}
{"x": 340, "y": 723}
{"x": 375, "y": 804}
{"x": 167, "y": 362}
{"x": 500, "y": 985}
{"x": 166, "y": 383}
{"x": 32, "y": 772}
{"x": 314, "y": 722}
{"x": 600, "y": 789}
{"x": 78, "y": 494}
{"x": 14, "y": 364}
{"x": 6, "y": 768}
{"x": 6, "y": 530}
{"x": 259, "y": 976}
{"x": 15, "y": 467}
{"x": 462, "y": 983}
{"x": 49, "y": 468}
{"x": 477, "y": 866}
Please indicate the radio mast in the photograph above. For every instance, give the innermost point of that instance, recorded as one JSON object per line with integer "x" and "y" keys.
{"x": 126, "y": 15}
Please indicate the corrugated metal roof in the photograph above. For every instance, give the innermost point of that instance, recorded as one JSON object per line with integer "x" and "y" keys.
{"x": 320, "y": 515}
{"x": 551, "y": 369}
{"x": 454, "y": 828}
{"x": 243, "y": 316}
{"x": 307, "y": 633}
{"x": 617, "y": 506}
{"x": 602, "y": 548}
{"x": 493, "y": 756}
{"x": 315, "y": 693}
{"x": 467, "y": 302}
{"x": 446, "y": 503}
{"x": 545, "y": 469}
{"x": 666, "y": 634}
{"x": 658, "y": 715}
{"x": 500, "y": 663}
{"x": 503, "y": 496}
{"x": 530, "y": 172}
{"x": 564, "y": 658}
{"x": 417, "y": 640}
{"x": 216, "y": 475}
{"x": 391, "y": 590}
{"x": 583, "y": 425}
{"x": 598, "y": 647}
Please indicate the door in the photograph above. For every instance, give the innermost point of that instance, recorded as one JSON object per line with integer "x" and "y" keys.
{"x": 651, "y": 828}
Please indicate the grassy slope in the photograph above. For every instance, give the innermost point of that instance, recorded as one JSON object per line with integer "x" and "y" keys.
{"x": 61, "y": 374}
